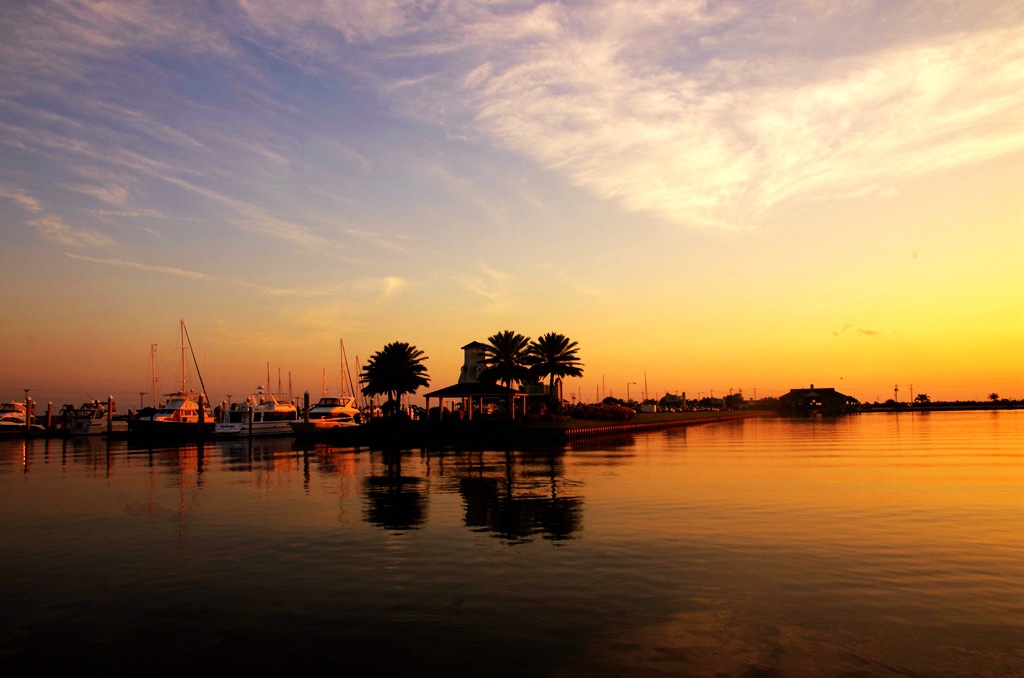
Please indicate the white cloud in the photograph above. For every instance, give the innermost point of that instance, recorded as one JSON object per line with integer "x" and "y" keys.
{"x": 53, "y": 228}
{"x": 112, "y": 195}
{"x": 364, "y": 289}
{"x": 672, "y": 143}
{"x": 705, "y": 115}
{"x": 26, "y": 202}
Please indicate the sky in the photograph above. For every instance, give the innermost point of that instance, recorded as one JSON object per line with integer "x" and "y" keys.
{"x": 709, "y": 197}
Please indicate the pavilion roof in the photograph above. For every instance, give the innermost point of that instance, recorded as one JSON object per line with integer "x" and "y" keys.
{"x": 473, "y": 390}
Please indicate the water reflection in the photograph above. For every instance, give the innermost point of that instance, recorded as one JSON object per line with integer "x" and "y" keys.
{"x": 394, "y": 501}
{"x": 881, "y": 545}
{"x": 519, "y": 495}
{"x": 514, "y": 495}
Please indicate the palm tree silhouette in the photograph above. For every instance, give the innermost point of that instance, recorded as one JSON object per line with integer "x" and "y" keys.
{"x": 506, "y": 360}
{"x": 394, "y": 370}
{"x": 554, "y": 355}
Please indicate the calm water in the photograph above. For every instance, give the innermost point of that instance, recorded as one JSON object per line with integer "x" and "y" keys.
{"x": 874, "y": 545}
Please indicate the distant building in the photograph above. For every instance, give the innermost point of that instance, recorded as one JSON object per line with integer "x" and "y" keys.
{"x": 673, "y": 402}
{"x": 816, "y": 401}
{"x": 470, "y": 395}
{"x": 473, "y": 362}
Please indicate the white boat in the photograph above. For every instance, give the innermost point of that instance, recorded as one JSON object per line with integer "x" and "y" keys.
{"x": 261, "y": 414}
{"x": 12, "y": 419}
{"x": 91, "y": 419}
{"x": 183, "y": 408}
{"x": 332, "y": 412}
{"x": 335, "y": 411}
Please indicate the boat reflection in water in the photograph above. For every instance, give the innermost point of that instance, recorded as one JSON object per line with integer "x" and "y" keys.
{"x": 883, "y": 545}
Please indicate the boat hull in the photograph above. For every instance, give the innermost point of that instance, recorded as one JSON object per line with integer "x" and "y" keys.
{"x": 258, "y": 428}
{"x": 97, "y": 427}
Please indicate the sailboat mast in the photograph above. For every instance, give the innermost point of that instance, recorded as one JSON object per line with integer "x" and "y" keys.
{"x": 195, "y": 362}
{"x": 341, "y": 365}
{"x": 152, "y": 367}
{"x": 359, "y": 383}
{"x": 183, "y": 356}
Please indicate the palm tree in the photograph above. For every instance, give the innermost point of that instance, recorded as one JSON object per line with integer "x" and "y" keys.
{"x": 506, "y": 360}
{"x": 554, "y": 355}
{"x": 394, "y": 370}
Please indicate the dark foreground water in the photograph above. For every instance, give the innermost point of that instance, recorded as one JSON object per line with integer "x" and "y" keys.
{"x": 873, "y": 545}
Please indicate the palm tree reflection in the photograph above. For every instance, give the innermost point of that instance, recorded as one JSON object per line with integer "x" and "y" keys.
{"x": 395, "y": 501}
{"x": 525, "y": 496}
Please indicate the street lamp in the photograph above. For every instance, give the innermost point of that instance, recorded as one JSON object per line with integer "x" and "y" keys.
{"x": 627, "y": 390}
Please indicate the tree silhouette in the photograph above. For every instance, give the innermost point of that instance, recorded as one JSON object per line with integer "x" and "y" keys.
{"x": 993, "y": 397}
{"x": 394, "y": 370}
{"x": 554, "y": 355}
{"x": 506, "y": 360}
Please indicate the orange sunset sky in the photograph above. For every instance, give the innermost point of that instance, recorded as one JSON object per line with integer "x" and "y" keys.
{"x": 706, "y": 196}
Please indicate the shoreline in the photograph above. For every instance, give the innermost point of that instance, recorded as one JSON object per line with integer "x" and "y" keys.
{"x": 483, "y": 432}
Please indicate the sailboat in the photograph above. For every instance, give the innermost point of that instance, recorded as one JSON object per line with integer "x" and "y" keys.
{"x": 186, "y": 414}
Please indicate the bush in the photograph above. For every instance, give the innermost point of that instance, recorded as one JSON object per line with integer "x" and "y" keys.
{"x": 603, "y": 412}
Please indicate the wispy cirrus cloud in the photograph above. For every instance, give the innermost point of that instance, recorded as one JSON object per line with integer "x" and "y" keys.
{"x": 702, "y": 114}
{"x": 705, "y": 115}
{"x": 53, "y": 228}
{"x": 26, "y": 202}
{"x": 374, "y": 288}
{"x": 487, "y": 284}
{"x": 852, "y": 331}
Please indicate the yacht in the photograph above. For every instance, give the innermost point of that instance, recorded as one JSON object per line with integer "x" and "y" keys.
{"x": 12, "y": 419}
{"x": 261, "y": 414}
{"x": 331, "y": 412}
{"x": 180, "y": 416}
{"x": 91, "y": 419}
{"x": 335, "y": 411}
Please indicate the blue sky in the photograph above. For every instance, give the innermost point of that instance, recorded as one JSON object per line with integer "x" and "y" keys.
{"x": 720, "y": 195}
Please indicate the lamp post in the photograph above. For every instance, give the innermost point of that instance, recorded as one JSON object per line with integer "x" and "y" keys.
{"x": 627, "y": 390}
